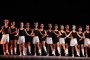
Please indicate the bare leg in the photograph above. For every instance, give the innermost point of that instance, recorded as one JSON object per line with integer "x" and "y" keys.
{"x": 20, "y": 49}
{"x": 58, "y": 48}
{"x": 47, "y": 49}
{"x": 7, "y": 48}
{"x": 15, "y": 46}
{"x": 67, "y": 48}
{"x": 82, "y": 49}
{"x": 86, "y": 51}
{"x": 77, "y": 50}
{"x": 23, "y": 47}
{"x": 4, "y": 49}
{"x": 34, "y": 49}
{"x": 51, "y": 46}
{"x": 72, "y": 51}
{"x": 26, "y": 48}
{"x": 39, "y": 48}
{"x": 64, "y": 48}
{"x": 43, "y": 44}
{"x": 54, "y": 47}
{"x": 29, "y": 48}
{"x": 11, "y": 49}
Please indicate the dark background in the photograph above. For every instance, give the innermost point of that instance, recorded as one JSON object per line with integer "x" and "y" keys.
{"x": 44, "y": 11}
{"x": 61, "y": 12}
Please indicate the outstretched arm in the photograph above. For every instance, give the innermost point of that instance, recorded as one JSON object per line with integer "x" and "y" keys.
{"x": 26, "y": 32}
{"x": 78, "y": 35}
{"x": 69, "y": 34}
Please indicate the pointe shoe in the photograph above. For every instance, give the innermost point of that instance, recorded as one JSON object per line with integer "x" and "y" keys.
{"x": 66, "y": 54}
{"x": 72, "y": 55}
{"x": 54, "y": 55}
{"x": 20, "y": 55}
{"x": 78, "y": 55}
{"x": 47, "y": 55}
{"x": 15, "y": 53}
{"x": 7, "y": 53}
{"x": 24, "y": 54}
{"x": 29, "y": 53}
{"x": 46, "y": 52}
{"x": 40, "y": 54}
{"x": 4, "y": 53}
{"x": 59, "y": 54}
{"x": 34, "y": 54}
{"x": 86, "y": 55}
{"x": 83, "y": 56}
{"x": 11, "y": 53}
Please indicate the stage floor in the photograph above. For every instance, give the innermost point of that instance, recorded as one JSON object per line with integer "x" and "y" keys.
{"x": 43, "y": 57}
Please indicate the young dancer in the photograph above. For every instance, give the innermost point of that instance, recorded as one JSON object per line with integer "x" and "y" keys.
{"x": 67, "y": 40}
{"x": 21, "y": 39}
{"x": 73, "y": 42}
{"x": 87, "y": 39}
{"x": 28, "y": 38}
{"x": 13, "y": 38}
{"x": 5, "y": 36}
{"x": 62, "y": 38}
{"x": 36, "y": 41}
{"x": 81, "y": 40}
{"x": 43, "y": 37}
{"x": 56, "y": 39}
{"x": 49, "y": 40}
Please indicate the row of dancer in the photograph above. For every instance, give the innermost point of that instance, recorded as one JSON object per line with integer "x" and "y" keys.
{"x": 55, "y": 38}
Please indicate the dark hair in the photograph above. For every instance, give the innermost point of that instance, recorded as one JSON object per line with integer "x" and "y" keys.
{"x": 41, "y": 23}
{"x": 27, "y": 22}
{"x": 22, "y": 22}
{"x": 49, "y": 24}
{"x": 12, "y": 21}
{"x": 87, "y": 25}
{"x": 6, "y": 20}
{"x": 61, "y": 25}
{"x": 55, "y": 24}
{"x": 35, "y": 23}
{"x": 73, "y": 25}
{"x": 66, "y": 25}
{"x": 80, "y": 27}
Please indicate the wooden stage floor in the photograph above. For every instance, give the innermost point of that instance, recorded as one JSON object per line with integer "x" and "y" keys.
{"x": 9, "y": 57}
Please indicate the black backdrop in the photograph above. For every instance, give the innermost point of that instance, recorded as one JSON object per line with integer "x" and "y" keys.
{"x": 60, "y": 12}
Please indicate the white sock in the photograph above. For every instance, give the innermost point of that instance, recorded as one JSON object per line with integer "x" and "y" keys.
{"x": 66, "y": 51}
{"x": 79, "y": 50}
{"x": 72, "y": 55}
{"x": 45, "y": 49}
{"x": 40, "y": 51}
{"x": 78, "y": 54}
{"x": 24, "y": 53}
{"x": 6, "y": 50}
{"x": 20, "y": 51}
{"x": 29, "y": 49}
{"x": 53, "y": 52}
{"x": 11, "y": 51}
{"x": 86, "y": 54}
{"x": 25, "y": 50}
{"x": 58, "y": 50}
{"x": 35, "y": 54}
{"x": 15, "y": 49}
{"x": 83, "y": 52}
